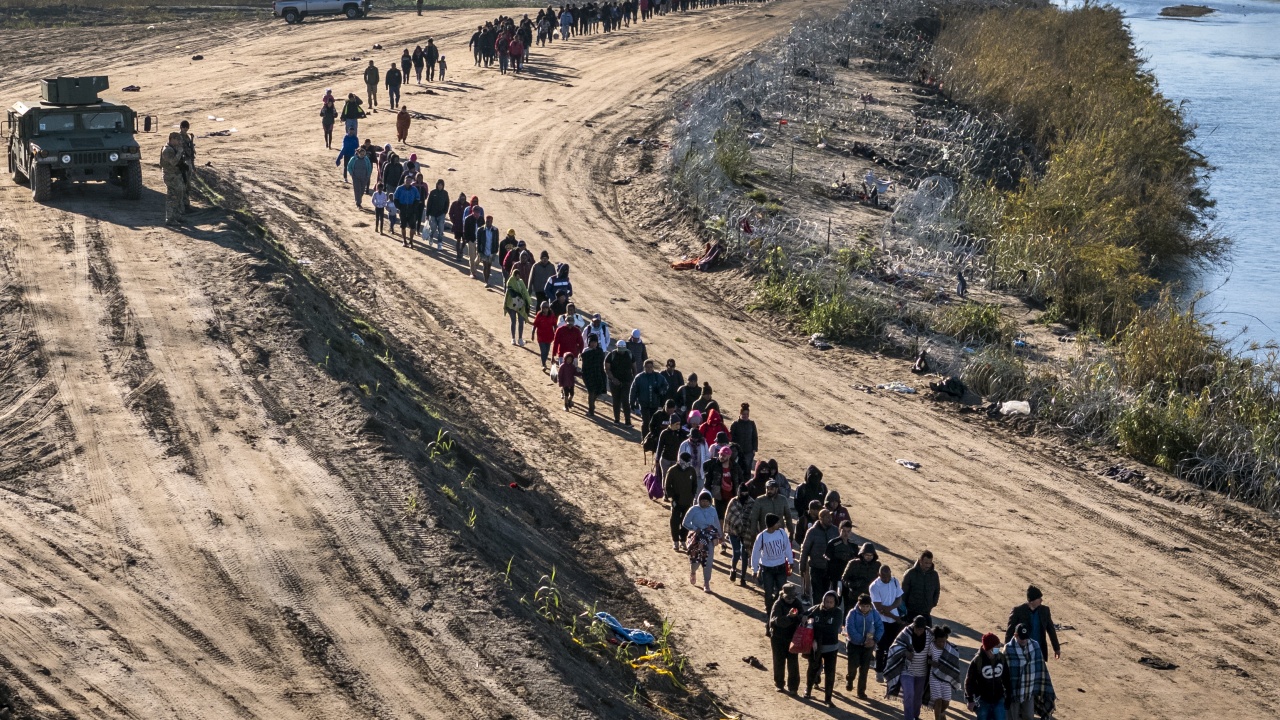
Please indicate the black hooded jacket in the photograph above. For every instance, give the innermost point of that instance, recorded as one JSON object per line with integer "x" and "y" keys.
{"x": 812, "y": 489}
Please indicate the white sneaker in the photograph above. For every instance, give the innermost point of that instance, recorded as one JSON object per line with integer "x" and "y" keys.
{"x": 520, "y": 342}
{"x": 513, "y": 341}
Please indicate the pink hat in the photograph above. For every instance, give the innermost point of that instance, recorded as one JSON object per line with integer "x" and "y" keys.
{"x": 726, "y": 452}
{"x": 695, "y": 418}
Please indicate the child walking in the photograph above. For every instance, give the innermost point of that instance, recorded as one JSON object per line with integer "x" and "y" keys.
{"x": 380, "y": 201}
{"x": 443, "y": 67}
{"x": 565, "y": 376}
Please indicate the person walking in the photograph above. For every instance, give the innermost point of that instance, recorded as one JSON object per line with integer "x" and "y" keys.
{"x": 649, "y": 391}
{"x": 567, "y": 339}
{"x": 442, "y": 66}
{"x": 1035, "y": 615}
{"x": 886, "y": 596}
{"x": 431, "y": 55}
{"x": 860, "y": 572}
{"x": 714, "y": 427}
{"x": 674, "y": 380}
{"x": 771, "y": 561}
{"x": 328, "y": 116}
{"x": 921, "y": 588}
{"x": 697, "y": 449}
{"x": 688, "y": 393}
{"x": 172, "y": 160}
{"x": 403, "y": 120}
{"x": 360, "y": 168}
{"x": 771, "y": 503}
{"x": 405, "y": 197}
{"x": 1032, "y": 692}
{"x": 705, "y": 526}
{"x": 839, "y": 552}
{"x": 456, "y": 210}
{"x": 472, "y": 226}
{"x": 352, "y": 113}
{"x": 371, "y": 78}
{"x": 668, "y": 448}
{"x": 600, "y": 329}
{"x": 380, "y": 201}
{"x": 394, "y": 79}
{"x": 827, "y": 622}
{"x": 349, "y": 145}
{"x": 406, "y": 66}
{"x": 839, "y": 513}
{"x": 944, "y": 672}
{"x": 621, "y": 372}
{"x": 516, "y": 305}
{"x": 863, "y": 630}
{"x": 543, "y": 271}
{"x": 679, "y": 487}
{"x": 813, "y": 554}
{"x": 544, "y": 331}
{"x": 743, "y": 434}
{"x": 705, "y": 403}
{"x": 593, "y": 375}
{"x": 419, "y": 60}
{"x": 639, "y": 353}
{"x": 907, "y": 666}
{"x": 988, "y": 683}
{"x": 812, "y": 489}
{"x": 784, "y": 617}
{"x": 737, "y": 525}
{"x": 559, "y": 283}
{"x": 566, "y": 377}
{"x": 721, "y": 478}
{"x": 437, "y": 208}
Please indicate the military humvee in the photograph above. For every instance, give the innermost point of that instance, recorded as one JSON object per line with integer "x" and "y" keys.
{"x": 72, "y": 135}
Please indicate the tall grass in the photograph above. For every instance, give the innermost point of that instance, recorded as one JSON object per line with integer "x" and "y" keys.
{"x": 1121, "y": 197}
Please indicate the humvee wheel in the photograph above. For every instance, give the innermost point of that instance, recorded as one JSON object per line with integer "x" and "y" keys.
{"x": 133, "y": 181}
{"x": 41, "y": 183}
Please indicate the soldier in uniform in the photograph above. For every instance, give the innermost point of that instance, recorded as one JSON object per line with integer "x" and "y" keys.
{"x": 172, "y": 164}
{"x": 189, "y": 155}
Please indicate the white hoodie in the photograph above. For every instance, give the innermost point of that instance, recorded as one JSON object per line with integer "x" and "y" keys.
{"x": 772, "y": 548}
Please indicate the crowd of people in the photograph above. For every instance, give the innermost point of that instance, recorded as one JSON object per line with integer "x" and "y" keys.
{"x": 794, "y": 540}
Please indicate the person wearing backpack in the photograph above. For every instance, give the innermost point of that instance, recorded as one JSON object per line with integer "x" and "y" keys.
{"x": 785, "y": 617}
{"x": 516, "y": 305}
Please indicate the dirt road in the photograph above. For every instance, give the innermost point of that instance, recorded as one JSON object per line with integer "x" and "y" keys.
{"x": 177, "y": 549}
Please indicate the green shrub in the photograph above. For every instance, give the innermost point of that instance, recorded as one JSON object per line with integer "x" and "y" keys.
{"x": 758, "y": 195}
{"x": 842, "y": 316}
{"x": 997, "y": 375}
{"x": 733, "y": 153}
{"x": 973, "y": 322}
{"x": 1170, "y": 348}
{"x": 1162, "y": 430}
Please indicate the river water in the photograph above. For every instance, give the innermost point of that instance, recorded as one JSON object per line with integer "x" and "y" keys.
{"x": 1225, "y": 67}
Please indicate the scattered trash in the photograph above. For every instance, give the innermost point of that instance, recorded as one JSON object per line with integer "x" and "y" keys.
{"x": 898, "y": 387}
{"x": 566, "y": 84}
{"x": 754, "y": 662}
{"x": 864, "y": 388}
{"x": 218, "y": 133}
{"x": 819, "y": 341}
{"x": 355, "y": 58}
{"x": 622, "y": 181}
{"x": 646, "y": 582}
{"x": 909, "y": 464}
{"x": 1123, "y": 474}
{"x": 151, "y": 27}
{"x": 620, "y": 634}
{"x": 515, "y": 486}
{"x": 305, "y": 261}
{"x": 1156, "y": 663}
{"x": 418, "y": 116}
{"x": 713, "y": 666}
{"x": 1015, "y": 407}
{"x": 1020, "y": 343}
{"x": 197, "y": 57}
{"x": 1063, "y": 626}
{"x": 130, "y": 88}
{"x": 377, "y": 46}
{"x": 357, "y": 339}
{"x": 840, "y": 429}
{"x": 1222, "y": 664}
{"x": 1179, "y": 548}
{"x": 517, "y": 190}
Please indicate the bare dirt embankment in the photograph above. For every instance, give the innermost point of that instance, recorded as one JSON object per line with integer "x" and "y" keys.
{"x": 247, "y": 548}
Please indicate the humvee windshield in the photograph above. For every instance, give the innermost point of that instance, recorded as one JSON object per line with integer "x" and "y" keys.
{"x": 57, "y": 123}
{"x": 103, "y": 121}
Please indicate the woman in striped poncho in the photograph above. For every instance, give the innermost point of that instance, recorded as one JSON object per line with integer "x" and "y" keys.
{"x": 921, "y": 668}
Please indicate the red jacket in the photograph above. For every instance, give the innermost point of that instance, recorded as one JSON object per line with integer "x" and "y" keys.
{"x": 712, "y": 427}
{"x": 544, "y": 328}
{"x": 568, "y": 339}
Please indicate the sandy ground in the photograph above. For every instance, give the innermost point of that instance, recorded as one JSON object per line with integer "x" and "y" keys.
{"x": 187, "y": 553}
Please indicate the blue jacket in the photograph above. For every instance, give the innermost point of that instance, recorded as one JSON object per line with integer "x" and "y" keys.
{"x": 406, "y": 195}
{"x": 855, "y": 625}
{"x": 556, "y": 284}
{"x": 349, "y": 145}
